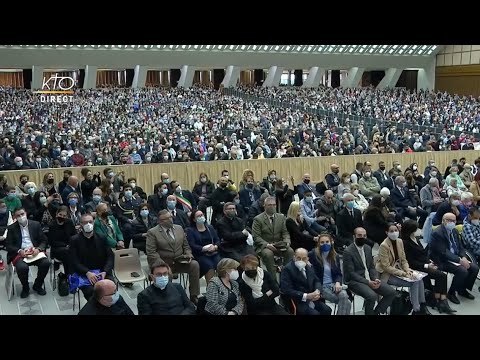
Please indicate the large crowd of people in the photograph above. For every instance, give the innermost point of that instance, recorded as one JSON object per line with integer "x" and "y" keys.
{"x": 158, "y": 125}
{"x": 260, "y": 243}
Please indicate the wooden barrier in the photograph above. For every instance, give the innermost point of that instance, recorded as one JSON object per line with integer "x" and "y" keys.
{"x": 187, "y": 173}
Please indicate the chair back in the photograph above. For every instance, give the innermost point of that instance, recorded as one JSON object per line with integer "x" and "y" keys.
{"x": 127, "y": 261}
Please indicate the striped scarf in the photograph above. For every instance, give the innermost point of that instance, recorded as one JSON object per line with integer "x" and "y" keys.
{"x": 187, "y": 206}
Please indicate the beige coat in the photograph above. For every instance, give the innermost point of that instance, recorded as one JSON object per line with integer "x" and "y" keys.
{"x": 386, "y": 260}
{"x": 160, "y": 245}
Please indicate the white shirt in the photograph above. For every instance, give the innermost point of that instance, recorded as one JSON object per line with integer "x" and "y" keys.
{"x": 26, "y": 241}
{"x": 361, "y": 251}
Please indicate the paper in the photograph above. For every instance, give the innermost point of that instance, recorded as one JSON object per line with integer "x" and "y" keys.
{"x": 250, "y": 240}
{"x": 453, "y": 263}
{"x": 30, "y": 259}
{"x": 417, "y": 276}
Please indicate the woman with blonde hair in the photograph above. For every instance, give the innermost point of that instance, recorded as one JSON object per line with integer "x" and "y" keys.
{"x": 246, "y": 174}
{"x": 344, "y": 186}
{"x": 297, "y": 228}
{"x": 48, "y": 184}
{"x": 326, "y": 264}
{"x": 223, "y": 292}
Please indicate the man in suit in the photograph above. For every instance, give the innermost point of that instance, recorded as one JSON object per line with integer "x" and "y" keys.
{"x": 381, "y": 174}
{"x": 163, "y": 297}
{"x": 404, "y": 202}
{"x": 332, "y": 179}
{"x": 25, "y": 239}
{"x": 235, "y": 240}
{"x": 447, "y": 252}
{"x": 106, "y": 300}
{"x": 348, "y": 219}
{"x": 90, "y": 251}
{"x": 220, "y": 196}
{"x": 271, "y": 236}
{"x": 158, "y": 201}
{"x": 168, "y": 242}
{"x": 299, "y": 283}
{"x": 72, "y": 186}
{"x": 179, "y": 216}
{"x": 361, "y": 277}
{"x": 185, "y": 199}
{"x": 304, "y": 186}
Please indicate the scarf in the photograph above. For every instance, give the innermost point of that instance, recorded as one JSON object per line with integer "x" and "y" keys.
{"x": 184, "y": 202}
{"x": 255, "y": 284}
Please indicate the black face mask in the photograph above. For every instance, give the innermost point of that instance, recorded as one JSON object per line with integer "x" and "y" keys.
{"x": 251, "y": 273}
{"x": 223, "y": 185}
{"x": 65, "y": 178}
{"x": 50, "y": 181}
{"x": 360, "y": 241}
{"x": 306, "y": 181}
{"x": 60, "y": 220}
{"x": 250, "y": 186}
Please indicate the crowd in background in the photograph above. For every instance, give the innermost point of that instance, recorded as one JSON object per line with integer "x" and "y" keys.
{"x": 158, "y": 125}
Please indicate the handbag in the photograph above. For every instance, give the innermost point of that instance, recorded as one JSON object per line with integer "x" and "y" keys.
{"x": 63, "y": 289}
{"x": 401, "y": 304}
{"x": 76, "y": 281}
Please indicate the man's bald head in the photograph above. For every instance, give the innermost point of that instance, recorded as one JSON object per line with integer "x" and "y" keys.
{"x": 301, "y": 254}
{"x": 449, "y": 217}
{"x": 335, "y": 168}
{"x": 103, "y": 291}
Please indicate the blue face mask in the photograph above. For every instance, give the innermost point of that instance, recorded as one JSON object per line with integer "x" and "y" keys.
{"x": 3, "y": 210}
{"x": 161, "y": 281}
{"x": 115, "y": 297}
{"x": 11, "y": 196}
{"x": 164, "y": 191}
{"x": 166, "y": 181}
{"x": 171, "y": 204}
{"x": 236, "y": 201}
{"x": 350, "y": 204}
{"x": 144, "y": 213}
{"x": 72, "y": 202}
{"x": 308, "y": 199}
{"x": 31, "y": 191}
{"x": 325, "y": 248}
{"x": 97, "y": 198}
{"x": 450, "y": 226}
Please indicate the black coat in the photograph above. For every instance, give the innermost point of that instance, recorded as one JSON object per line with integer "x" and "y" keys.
{"x": 93, "y": 307}
{"x": 13, "y": 242}
{"x": 265, "y": 303}
{"x": 86, "y": 256}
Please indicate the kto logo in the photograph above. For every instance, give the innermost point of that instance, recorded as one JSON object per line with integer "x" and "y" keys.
{"x": 57, "y": 89}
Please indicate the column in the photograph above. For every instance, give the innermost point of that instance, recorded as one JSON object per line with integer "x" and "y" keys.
{"x": 390, "y": 79}
{"x": 37, "y": 77}
{"x": 231, "y": 76}
{"x": 298, "y": 77}
{"x": 139, "y": 77}
{"x": 186, "y": 76}
{"x": 353, "y": 78}
{"x": 426, "y": 76}
{"x": 90, "y": 81}
{"x": 335, "y": 78}
{"x": 315, "y": 75}
{"x": 273, "y": 77}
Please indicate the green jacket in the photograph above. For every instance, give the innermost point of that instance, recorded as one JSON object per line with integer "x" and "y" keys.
{"x": 112, "y": 238}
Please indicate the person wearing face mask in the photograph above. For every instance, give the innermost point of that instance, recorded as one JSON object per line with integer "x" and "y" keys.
{"x": 299, "y": 284}
{"x": 454, "y": 175}
{"x": 430, "y": 166}
{"x": 466, "y": 176}
{"x": 223, "y": 293}
{"x": 107, "y": 226}
{"x": 361, "y": 277}
{"x": 137, "y": 190}
{"x": 309, "y": 212}
{"x": 89, "y": 183}
{"x": 393, "y": 266}
{"x": 185, "y": 199}
{"x": 89, "y": 251}
{"x": 368, "y": 184}
{"x": 326, "y": 264}
{"x": 381, "y": 174}
{"x": 6, "y": 220}
{"x": 475, "y": 189}
{"x": 268, "y": 183}
{"x": 332, "y": 179}
{"x": 304, "y": 186}
{"x": 106, "y": 300}
{"x": 447, "y": 252}
{"x": 471, "y": 231}
{"x": 360, "y": 202}
{"x": 168, "y": 242}
{"x": 450, "y": 206}
{"x": 75, "y": 210}
{"x": 259, "y": 289}
{"x": 144, "y": 221}
{"x": 158, "y": 201}
{"x": 220, "y": 196}
{"x": 63, "y": 184}
{"x": 60, "y": 231}
{"x": 348, "y": 219}
{"x": 127, "y": 207}
{"x": 20, "y": 188}
{"x": 465, "y": 205}
{"x": 179, "y": 216}
{"x": 163, "y": 297}
{"x": 25, "y": 238}
{"x": 48, "y": 185}
{"x": 204, "y": 242}
{"x": 236, "y": 240}
{"x": 202, "y": 191}
{"x": 249, "y": 194}
{"x": 27, "y": 201}
{"x": 404, "y": 202}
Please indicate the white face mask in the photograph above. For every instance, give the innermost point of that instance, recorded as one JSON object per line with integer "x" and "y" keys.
{"x": 300, "y": 264}
{"x": 234, "y": 275}
{"x": 475, "y": 222}
{"x": 456, "y": 202}
{"x": 355, "y": 192}
{"x": 393, "y": 235}
{"x": 88, "y": 228}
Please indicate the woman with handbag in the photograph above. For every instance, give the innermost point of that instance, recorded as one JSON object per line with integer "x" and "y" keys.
{"x": 203, "y": 241}
{"x": 392, "y": 264}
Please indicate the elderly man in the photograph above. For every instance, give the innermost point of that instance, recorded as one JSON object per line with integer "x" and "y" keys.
{"x": 270, "y": 236}
{"x": 300, "y": 284}
{"x": 362, "y": 278}
{"x": 304, "y": 186}
{"x": 72, "y": 186}
{"x": 179, "y": 216}
{"x": 106, "y": 300}
{"x": 449, "y": 255}
{"x": 163, "y": 297}
{"x": 348, "y": 219}
{"x": 368, "y": 184}
{"x": 332, "y": 179}
{"x": 168, "y": 242}
{"x": 430, "y": 196}
{"x": 328, "y": 207}
{"x": 404, "y": 202}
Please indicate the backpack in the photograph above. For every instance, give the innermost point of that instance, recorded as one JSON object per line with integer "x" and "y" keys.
{"x": 401, "y": 304}
{"x": 62, "y": 284}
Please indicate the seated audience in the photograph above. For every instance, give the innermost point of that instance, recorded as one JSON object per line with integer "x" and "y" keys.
{"x": 106, "y": 300}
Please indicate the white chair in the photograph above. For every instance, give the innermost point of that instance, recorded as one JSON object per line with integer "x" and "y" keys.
{"x": 127, "y": 263}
